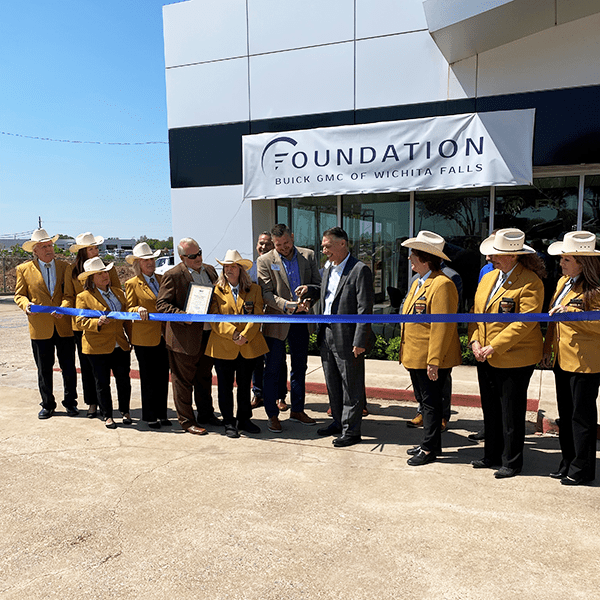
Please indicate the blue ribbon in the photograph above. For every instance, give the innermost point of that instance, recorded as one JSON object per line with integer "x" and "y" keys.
{"x": 306, "y": 318}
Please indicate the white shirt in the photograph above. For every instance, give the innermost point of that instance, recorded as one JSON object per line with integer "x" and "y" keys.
{"x": 502, "y": 277}
{"x": 335, "y": 274}
{"x": 566, "y": 289}
{"x": 152, "y": 287}
{"x": 49, "y": 274}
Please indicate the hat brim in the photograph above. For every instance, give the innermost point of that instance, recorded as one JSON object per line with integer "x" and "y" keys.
{"x": 30, "y": 245}
{"x": 424, "y": 247}
{"x": 557, "y": 248}
{"x": 487, "y": 248}
{"x": 98, "y": 239}
{"x": 244, "y": 262}
{"x": 83, "y": 276}
{"x": 131, "y": 258}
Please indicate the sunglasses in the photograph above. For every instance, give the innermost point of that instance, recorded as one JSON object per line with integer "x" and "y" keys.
{"x": 193, "y": 256}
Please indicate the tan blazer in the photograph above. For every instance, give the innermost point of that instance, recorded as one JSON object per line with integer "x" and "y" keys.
{"x": 140, "y": 295}
{"x": 276, "y": 289}
{"x": 221, "y": 344}
{"x": 515, "y": 344}
{"x": 435, "y": 344}
{"x": 114, "y": 331}
{"x": 31, "y": 289}
{"x": 574, "y": 343}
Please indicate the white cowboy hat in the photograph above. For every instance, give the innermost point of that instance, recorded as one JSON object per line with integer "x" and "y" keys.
{"x": 141, "y": 251}
{"x": 93, "y": 266}
{"x": 38, "y": 236}
{"x": 427, "y": 241}
{"x": 85, "y": 240}
{"x": 505, "y": 241}
{"x": 582, "y": 243}
{"x": 234, "y": 257}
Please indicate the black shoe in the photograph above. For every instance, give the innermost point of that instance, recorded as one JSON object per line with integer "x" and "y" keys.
{"x": 166, "y": 423}
{"x": 484, "y": 463}
{"x": 212, "y": 420}
{"x": 154, "y": 424}
{"x": 480, "y": 435}
{"x": 575, "y": 481}
{"x": 126, "y": 419}
{"x": 329, "y": 430}
{"x": 560, "y": 474}
{"x": 504, "y": 472}
{"x": 112, "y": 425}
{"x": 71, "y": 411}
{"x": 92, "y": 413}
{"x": 231, "y": 431}
{"x": 346, "y": 440}
{"x": 421, "y": 459}
{"x": 45, "y": 413}
{"x": 414, "y": 450}
{"x": 248, "y": 426}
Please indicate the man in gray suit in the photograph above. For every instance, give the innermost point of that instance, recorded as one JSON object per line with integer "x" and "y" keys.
{"x": 280, "y": 272}
{"x": 347, "y": 289}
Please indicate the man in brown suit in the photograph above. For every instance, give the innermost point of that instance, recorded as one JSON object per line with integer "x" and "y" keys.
{"x": 46, "y": 281}
{"x": 191, "y": 370}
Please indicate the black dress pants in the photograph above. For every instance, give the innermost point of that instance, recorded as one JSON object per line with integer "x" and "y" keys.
{"x": 87, "y": 374}
{"x": 43, "y": 354}
{"x": 154, "y": 380}
{"x": 576, "y": 395}
{"x": 239, "y": 369}
{"x": 504, "y": 404}
{"x": 118, "y": 361}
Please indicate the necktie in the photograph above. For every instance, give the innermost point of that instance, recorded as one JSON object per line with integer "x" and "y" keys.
{"x": 48, "y": 282}
{"x": 154, "y": 285}
{"x": 234, "y": 291}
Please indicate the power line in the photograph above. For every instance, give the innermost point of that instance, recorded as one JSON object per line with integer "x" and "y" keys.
{"x": 45, "y": 139}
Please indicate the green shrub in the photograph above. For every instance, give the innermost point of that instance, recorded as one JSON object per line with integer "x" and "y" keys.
{"x": 393, "y": 349}
{"x": 468, "y": 357}
{"x": 378, "y": 351}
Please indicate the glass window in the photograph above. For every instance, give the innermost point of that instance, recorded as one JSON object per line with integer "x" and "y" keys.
{"x": 591, "y": 204}
{"x": 461, "y": 217}
{"x": 376, "y": 225}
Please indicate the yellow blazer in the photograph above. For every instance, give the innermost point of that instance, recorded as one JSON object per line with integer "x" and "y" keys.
{"x": 515, "y": 344}
{"x": 140, "y": 295}
{"x": 574, "y": 343}
{"x": 435, "y": 344}
{"x": 114, "y": 331}
{"x": 31, "y": 289}
{"x": 220, "y": 343}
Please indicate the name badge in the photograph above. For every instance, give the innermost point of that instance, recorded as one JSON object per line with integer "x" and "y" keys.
{"x": 420, "y": 306}
{"x": 576, "y": 303}
{"x": 507, "y": 305}
{"x": 275, "y": 267}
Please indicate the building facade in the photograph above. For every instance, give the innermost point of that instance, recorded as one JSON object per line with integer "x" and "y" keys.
{"x": 242, "y": 67}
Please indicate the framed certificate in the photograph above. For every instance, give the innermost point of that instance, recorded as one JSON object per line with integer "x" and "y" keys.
{"x": 198, "y": 299}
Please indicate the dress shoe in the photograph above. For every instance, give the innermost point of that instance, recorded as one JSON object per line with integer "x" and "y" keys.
{"x": 71, "y": 411}
{"x": 422, "y": 458}
{"x": 154, "y": 424}
{"x": 248, "y": 426}
{"x": 574, "y": 481}
{"x": 92, "y": 411}
{"x": 478, "y": 437}
{"x": 329, "y": 430}
{"x": 231, "y": 431}
{"x": 282, "y": 406}
{"x": 504, "y": 472}
{"x": 483, "y": 463}
{"x": 196, "y": 430}
{"x": 45, "y": 413}
{"x": 256, "y": 402}
{"x": 414, "y": 450}
{"x": 111, "y": 425}
{"x": 274, "y": 425}
{"x": 166, "y": 423}
{"x": 346, "y": 440}
{"x": 416, "y": 422}
{"x": 560, "y": 474}
{"x": 212, "y": 420}
{"x": 301, "y": 417}
{"x": 126, "y": 418}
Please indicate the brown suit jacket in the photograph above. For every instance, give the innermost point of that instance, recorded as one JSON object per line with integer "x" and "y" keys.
{"x": 31, "y": 289}
{"x": 140, "y": 295}
{"x": 276, "y": 287}
{"x": 180, "y": 337}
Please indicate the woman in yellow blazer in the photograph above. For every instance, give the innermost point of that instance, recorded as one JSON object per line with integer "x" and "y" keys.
{"x": 236, "y": 346}
{"x": 86, "y": 246}
{"x": 429, "y": 350}
{"x": 105, "y": 340}
{"x": 571, "y": 347}
{"x": 147, "y": 336}
{"x": 506, "y": 352}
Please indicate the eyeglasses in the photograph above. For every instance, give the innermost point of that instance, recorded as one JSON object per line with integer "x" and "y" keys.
{"x": 193, "y": 256}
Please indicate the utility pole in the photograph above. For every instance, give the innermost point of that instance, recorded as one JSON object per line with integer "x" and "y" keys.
{"x": 39, "y": 222}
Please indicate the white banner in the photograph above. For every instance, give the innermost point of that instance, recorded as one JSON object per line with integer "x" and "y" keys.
{"x": 457, "y": 151}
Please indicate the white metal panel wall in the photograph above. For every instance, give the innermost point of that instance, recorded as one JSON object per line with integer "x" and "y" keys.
{"x": 386, "y": 17}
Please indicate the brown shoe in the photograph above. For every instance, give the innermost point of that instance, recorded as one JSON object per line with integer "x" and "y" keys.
{"x": 416, "y": 422}
{"x": 301, "y": 417}
{"x": 365, "y": 412}
{"x": 444, "y": 425}
{"x": 282, "y": 406}
{"x": 274, "y": 425}
{"x": 256, "y": 402}
{"x": 196, "y": 430}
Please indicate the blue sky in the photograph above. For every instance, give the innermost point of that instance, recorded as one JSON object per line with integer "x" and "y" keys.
{"x": 87, "y": 70}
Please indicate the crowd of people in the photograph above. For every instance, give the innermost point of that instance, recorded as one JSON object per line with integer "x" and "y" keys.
{"x": 251, "y": 356}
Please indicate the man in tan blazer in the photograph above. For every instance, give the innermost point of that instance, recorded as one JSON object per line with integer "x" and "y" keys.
{"x": 191, "y": 369}
{"x": 45, "y": 281}
{"x": 280, "y": 272}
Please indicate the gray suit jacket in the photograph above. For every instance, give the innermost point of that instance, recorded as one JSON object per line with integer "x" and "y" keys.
{"x": 276, "y": 287}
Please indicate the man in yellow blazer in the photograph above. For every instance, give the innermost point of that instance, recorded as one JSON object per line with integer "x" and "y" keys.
{"x": 44, "y": 281}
